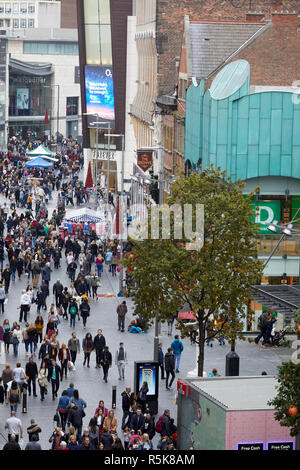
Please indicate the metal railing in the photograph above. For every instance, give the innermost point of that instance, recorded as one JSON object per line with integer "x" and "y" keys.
{"x": 289, "y": 247}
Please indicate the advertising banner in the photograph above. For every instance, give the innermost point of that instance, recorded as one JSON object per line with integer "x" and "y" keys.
{"x": 22, "y": 98}
{"x": 265, "y": 212}
{"x": 99, "y": 92}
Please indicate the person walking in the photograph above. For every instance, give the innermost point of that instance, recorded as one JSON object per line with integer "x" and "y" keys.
{"x": 57, "y": 292}
{"x": 121, "y": 311}
{"x": 110, "y": 423}
{"x": 99, "y": 344}
{"x": 177, "y": 347}
{"x": 262, "y": 325}
{"x": 74, "y": 347}
{"x": 7, "y": 376}
{"x": 43, "y": 379}
{"x": 2, "y": 297}
{"x": 25, "y": 302}
{"x": 14, "y": 426}
{"x": 63, "y": 408}
{"x": 106, "y": 362}
{"x": 33, "y": 431}
{"x": 64, "y": 357}
{"x": 169, "y": 367}
{"x": 13, "y": 397}
{"x": 121, "y": 361}
{"x": 161, "y": 358}
{"x": 39, "y": 325}
{"x": 75, "y": 417}
{"x": 73, "y": 311}
{"x": 125, "y": 405}
{"x": 65, "y": 300}
{"x": 33, "y": 444}
{"x": 31, "y": 372}
{"x": 54, "y": 373}
{"x": 84, "y": 311}
{"x": 87, "y": 347}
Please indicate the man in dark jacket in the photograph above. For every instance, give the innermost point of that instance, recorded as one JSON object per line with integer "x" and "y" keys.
{"x": 44, "y": 349}
{"x": 106, "y": 361}
{"x": 6, "y": 276}
{"x": 125, "y": 405}
{"x": 12, "y": 444}
{"x": 45, "y": 293}
{"x": 54, "y": 373}
{"x": 32, "y": 372}
{"x": 169, "y": 367}
{"x": 75, "y": 417}
{"x": 121, "y": 311}
{"x": 262, "y": 325}
{"x": 72, "y": 270}
{"x": 107, "y": 440}
{"x": 161, "y": 358}
{"x": 86, "y": 444}
{"x": 57, "y": 291}
{"x": 46, "y": 273}
{"x": 137, "y": 421}
{"x": 84, "y": 310}
{"x": 99, "y": 343}
{"x": 149, "y": 426}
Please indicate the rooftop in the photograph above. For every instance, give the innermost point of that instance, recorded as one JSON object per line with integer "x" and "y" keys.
{"x": 239, "y": 393}
{"x": 213, "y": 43}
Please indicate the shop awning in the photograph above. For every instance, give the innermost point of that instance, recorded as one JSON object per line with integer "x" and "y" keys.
{"x": 29, "y": 68}
{"x": 38, "y": 162}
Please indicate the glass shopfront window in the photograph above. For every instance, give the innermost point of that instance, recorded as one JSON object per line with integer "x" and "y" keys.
{"x": 28, "y": 95}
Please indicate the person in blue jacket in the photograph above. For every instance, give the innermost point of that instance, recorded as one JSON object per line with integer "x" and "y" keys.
{"x": 63, "y": 408}
{"x": 177, "y": 347}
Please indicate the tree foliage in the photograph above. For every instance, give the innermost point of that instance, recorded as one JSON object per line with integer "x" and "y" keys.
{"x": 215, "y": 282}
{"x": 288, "y": 394}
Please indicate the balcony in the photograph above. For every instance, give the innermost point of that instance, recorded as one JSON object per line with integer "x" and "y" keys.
{"x": 288, "y": 247}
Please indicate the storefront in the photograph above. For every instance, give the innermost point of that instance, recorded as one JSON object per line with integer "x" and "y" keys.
{"x": 30, "y": 99}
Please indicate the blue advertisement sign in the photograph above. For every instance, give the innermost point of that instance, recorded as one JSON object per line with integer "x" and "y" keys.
{"x": 99, "y": 91}
{"x": 147, "y": 373}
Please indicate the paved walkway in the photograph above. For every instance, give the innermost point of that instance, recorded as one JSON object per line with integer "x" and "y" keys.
{"x": 139, "y": 347}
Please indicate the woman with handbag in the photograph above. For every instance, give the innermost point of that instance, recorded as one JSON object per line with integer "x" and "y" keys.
{"x": 142, "y": 396}
{"x": 100, "y": 420}
{"x": 87, "y": 347}
{"x": 43, "y": 380}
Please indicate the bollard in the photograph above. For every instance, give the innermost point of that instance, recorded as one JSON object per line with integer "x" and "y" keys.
{"x": 24, "y": 399}
{"x": 114, "y": 397}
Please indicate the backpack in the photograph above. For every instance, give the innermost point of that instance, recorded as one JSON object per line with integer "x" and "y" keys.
{"x": 13, "y": 397}
{"x": 158, "y": 426}
{"x": 73, "y": 310}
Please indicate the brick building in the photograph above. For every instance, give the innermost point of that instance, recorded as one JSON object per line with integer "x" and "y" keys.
{"x": 162, "y": 78}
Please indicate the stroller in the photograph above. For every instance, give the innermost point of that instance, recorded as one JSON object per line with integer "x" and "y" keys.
{"x": 277, "y": 337}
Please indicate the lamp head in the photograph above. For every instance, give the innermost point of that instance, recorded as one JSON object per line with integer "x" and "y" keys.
{"x": 273, "y": 226}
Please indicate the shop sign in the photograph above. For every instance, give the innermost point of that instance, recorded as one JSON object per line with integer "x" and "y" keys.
{"x": 144, "y": 159}
{"x": 103, "y": 155}
{"x": 265, "y": 212}
{"x": 249, "y": 446}
{"x": 288, "y": 445}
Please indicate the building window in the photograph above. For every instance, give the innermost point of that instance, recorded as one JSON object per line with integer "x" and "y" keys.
{"x": 23, "y": 23}
{"x": 30, "y": 23}
{"x": 7, "y": 7}
{"x": 31, "y": 8}
{"x": 72, "y": 106}
{"x": 23, "y": 7}
{"x": 53, "y": 48}
{"x": 1, "y": 8}
{"x": 1, "y": 23}
{"x": 7, "y": 23}
{"x": 16, "y": 23}
{"x": 16, "y": 8}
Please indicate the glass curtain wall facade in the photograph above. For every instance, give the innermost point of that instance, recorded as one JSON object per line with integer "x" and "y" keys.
{"x": 98, "y": 68}
{"x": 29, "y": 96}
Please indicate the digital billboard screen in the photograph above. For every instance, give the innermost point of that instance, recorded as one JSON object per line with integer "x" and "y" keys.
{"x": 148, "y": 373}
{"x": 22, "y": 98}
{"x": 99, "y": 90}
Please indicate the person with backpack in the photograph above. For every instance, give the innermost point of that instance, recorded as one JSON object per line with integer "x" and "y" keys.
{"x": 164, "y": 424}
{"x": 84, "y": 310}
{"x": 65, "y": 300}
{"x": 73, "y": 311}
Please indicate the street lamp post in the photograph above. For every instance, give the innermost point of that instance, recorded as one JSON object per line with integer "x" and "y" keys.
{"x": 122, "y": 190}
{"x": 57, "y": 112}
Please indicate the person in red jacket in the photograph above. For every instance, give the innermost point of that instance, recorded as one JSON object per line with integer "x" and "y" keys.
{"x": 64, "y": 358}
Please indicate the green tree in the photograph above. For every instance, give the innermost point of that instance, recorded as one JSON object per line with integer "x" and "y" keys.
{"x": 215, "y": 282}
{"x": 288, "y": 396}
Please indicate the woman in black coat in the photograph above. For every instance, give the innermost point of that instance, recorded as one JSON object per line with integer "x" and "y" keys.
{"x": 20, "y": 266}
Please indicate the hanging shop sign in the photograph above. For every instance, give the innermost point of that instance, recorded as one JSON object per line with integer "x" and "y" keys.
{"x": 144, "y": 159}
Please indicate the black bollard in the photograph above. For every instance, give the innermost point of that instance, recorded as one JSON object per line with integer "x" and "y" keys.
{"x": 24, "y": 399}
{"x": 232, "y": 368}
{"x": 114, "y": 397}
